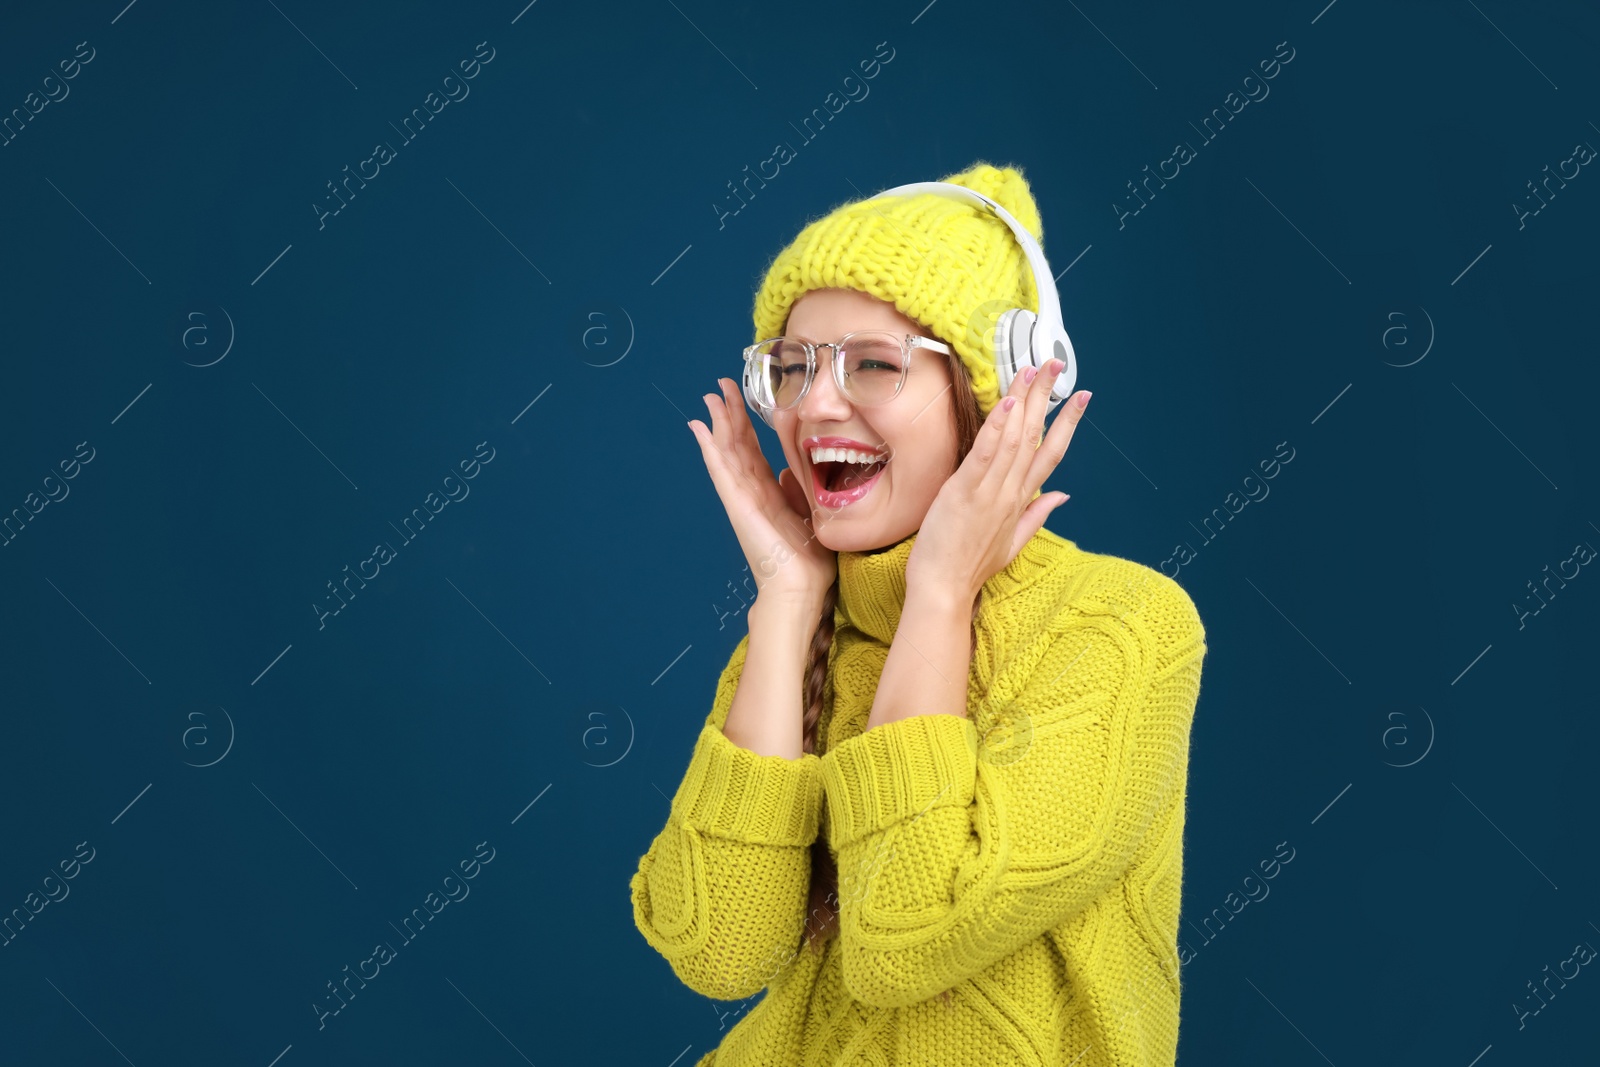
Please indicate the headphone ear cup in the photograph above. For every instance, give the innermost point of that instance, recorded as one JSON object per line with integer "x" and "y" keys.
{"x": 1013, "y": 340}
{"x": 1060, "y": 348}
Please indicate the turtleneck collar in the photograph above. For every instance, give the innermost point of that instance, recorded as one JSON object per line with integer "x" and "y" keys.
{"x": 872, "y": 585}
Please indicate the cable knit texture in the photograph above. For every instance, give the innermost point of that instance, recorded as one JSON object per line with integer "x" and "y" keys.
{"x": 948, "y": 265}
{"x": 1009, "y": 880}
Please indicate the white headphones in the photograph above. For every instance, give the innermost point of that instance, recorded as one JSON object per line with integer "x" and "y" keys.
{"x": 1021, "y": 338}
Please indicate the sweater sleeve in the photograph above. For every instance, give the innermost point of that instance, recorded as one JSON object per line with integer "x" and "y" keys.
{"x": 722, "y": 891}
{"x": 956, "y": 850}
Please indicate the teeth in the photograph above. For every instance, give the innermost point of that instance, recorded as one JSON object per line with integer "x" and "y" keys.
{"x": 845, "y": 455}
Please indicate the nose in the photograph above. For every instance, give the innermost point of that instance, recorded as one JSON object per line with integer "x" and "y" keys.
{"x": 824, "y": 402}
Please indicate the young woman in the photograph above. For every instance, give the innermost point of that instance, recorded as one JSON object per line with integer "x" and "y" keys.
{"x": 937, "y": 809}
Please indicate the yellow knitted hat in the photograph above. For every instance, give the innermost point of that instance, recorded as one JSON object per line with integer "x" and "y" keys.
{"x": 941, "y": 262}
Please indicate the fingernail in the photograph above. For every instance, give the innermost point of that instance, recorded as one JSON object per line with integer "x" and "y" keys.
{"x": 1028, "y": 375}
{"x": 1056, "y": 366}
{"x": 1083, "y": 399}
{"x": 1008, "y": 403}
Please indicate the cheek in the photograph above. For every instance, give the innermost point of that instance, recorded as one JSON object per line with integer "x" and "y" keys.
{"x": 920, "y": 480}
{"x": 923, "y": 463}
{"x": 791, "y": 455}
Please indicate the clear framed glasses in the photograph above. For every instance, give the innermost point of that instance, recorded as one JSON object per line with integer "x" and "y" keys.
{"x": 869, "y": 366}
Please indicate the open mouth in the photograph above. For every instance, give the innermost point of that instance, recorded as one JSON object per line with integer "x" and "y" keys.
{"x": 836, "y": 483}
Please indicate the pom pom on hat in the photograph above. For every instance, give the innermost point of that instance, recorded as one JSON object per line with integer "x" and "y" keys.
{"x": 949, "y": 265}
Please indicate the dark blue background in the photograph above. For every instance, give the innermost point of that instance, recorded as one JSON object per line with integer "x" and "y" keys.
{"x": 554, "y": 638}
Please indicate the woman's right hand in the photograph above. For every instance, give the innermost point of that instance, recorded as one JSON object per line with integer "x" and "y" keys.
{"x": 771, "y": 516}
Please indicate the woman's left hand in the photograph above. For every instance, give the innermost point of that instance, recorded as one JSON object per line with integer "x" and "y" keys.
{"x": 983, "y": 516}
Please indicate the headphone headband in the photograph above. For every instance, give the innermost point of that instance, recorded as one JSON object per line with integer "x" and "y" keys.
{"x": 1022, "y": 339}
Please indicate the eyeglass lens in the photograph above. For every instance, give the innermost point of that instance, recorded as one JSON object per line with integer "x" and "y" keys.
{"x": 874, "y": 365}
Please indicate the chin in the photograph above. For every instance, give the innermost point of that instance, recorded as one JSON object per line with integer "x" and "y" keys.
{"x": 837, "y": 534}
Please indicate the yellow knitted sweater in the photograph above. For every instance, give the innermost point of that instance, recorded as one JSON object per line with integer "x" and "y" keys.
{"x": 1009, "y": 881}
